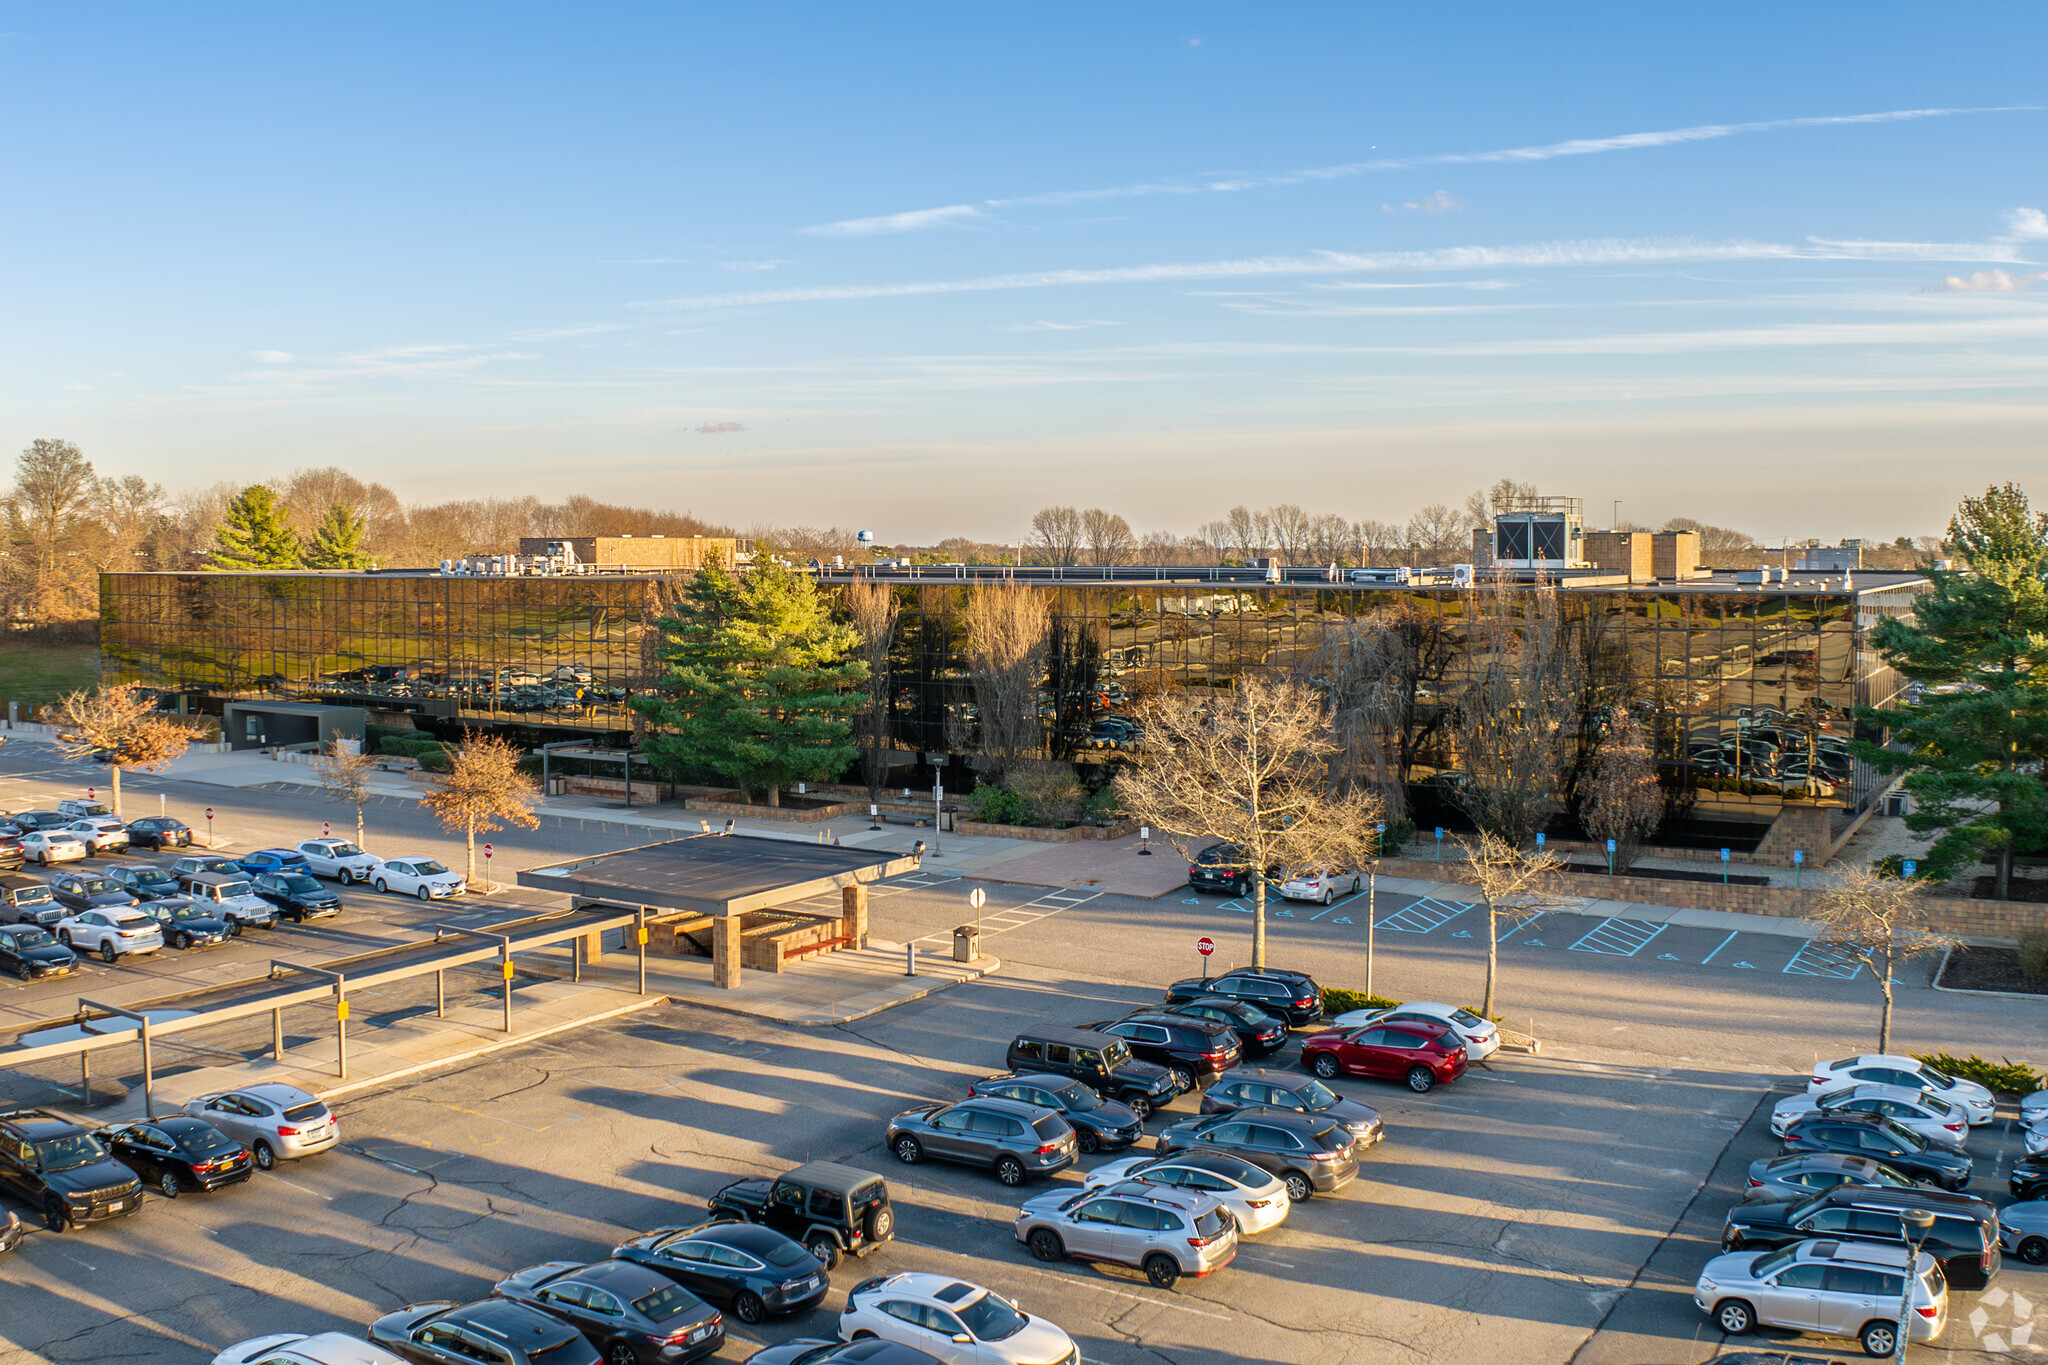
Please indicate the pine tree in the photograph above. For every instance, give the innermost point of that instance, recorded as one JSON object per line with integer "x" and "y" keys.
{"x": 255, "y": 534}
{"x": 761, "y": 684}
{"x": 1971, "y": 744}
{"x": 338, "y": 543}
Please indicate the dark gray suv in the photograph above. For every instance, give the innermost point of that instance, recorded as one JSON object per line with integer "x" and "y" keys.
{"x": 1014, "y": 1140}
{"x": 1310, "y": 1154}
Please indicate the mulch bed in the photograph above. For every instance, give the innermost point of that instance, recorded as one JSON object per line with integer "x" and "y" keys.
{"x": 1672, "y": 874}
{"x": 2033, "y": 892}
{"x": 1989, "y": 969}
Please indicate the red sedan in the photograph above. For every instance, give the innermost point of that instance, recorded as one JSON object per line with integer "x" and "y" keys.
{"x": 1421, "y": 1054}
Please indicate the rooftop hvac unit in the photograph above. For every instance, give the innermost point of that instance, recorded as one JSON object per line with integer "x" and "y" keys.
{"x": 1461, "y": 575}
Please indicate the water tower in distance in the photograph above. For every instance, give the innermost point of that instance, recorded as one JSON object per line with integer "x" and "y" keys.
{"x": 865, "y": 537}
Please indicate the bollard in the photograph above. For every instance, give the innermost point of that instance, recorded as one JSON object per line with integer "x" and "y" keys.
{"x": 910, "y": 959}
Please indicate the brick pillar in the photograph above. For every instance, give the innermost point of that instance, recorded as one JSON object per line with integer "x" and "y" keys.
{"x": 725, "y": 951}
{"x": 853, "y": 917}
{"x": 593, "y": 946}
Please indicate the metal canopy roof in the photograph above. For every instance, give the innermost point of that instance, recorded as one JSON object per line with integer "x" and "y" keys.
{"x": 716, "y": 874}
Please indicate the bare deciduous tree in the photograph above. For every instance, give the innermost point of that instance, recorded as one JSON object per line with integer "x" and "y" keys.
{"x": 1056, "y": 535}
{"x": 1623, "y": 801}
{"x": 1108, "y": 537}
{"x": 1515, "y": 885}
{"x": 1438, "y": 534}
{"x": 1379, "y": 541}
{"x": 120, "y": 727}
{"x": 1249, "y": 767}
{"x": 1515, "y": 727}
{"x": 483, "y": 790}
{"x": 345, "y": 776}
{"x": 874, "y": 611}
{"x": 1483, "y": 505}
{"x": 1005, "y": 651}
{"x": 1881, "y": 922}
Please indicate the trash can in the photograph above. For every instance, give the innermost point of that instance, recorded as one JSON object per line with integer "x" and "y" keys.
{"x": 966, "y": 943}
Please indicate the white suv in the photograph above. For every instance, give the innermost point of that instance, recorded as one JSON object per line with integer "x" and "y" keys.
{"x": 1828, "y": 1288}
{"x": 1165, "y": 1232}
{"x": 101, "y": 834}
{"x": 339, "y": 859}
{"x": 113, "y": 933}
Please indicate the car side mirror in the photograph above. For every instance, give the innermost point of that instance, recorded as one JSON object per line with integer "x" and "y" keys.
{"x": 962, "y": 1339}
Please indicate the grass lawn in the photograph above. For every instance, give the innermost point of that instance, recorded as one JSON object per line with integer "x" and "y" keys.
{"x": 33, "y": 674}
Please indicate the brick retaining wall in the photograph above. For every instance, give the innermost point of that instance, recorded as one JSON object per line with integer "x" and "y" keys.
{"x": 1047, "y": 836}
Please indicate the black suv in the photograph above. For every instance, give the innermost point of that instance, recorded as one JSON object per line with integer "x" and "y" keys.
{"x": 1097, "y": 1060}
{"x": 1311, "y": 1154}
{"x": 63, "y": 1170}
{"x": 1099, "y": 1125}
{"x": 296, "y": 895}
{"x": 1293, "y": 996}
{"x": 1964, "y": 1237}
{"x": 1222, "y": 868}
{"x": 1250, "y": 1088}
{"x": 2030, "y": 1177}
{"x": 1196, "y": 1051}
{"x": 1877, "y": 1137}
{"x": 1259, "y": 1030}
{"x": 831, "y": 1209}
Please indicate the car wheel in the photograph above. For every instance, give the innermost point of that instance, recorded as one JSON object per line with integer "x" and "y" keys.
{"x": 1140, "y": 1106}
{"x": 1046, "y": 1245}
{"x": 1879, "y": 1338}
{"x": 1240, "y": 888}
{"x": 1735, "y": 1317}
{"x": 1087, "y": 1142}
{"x": 234, "y": 928}
{"x": 1184, "y": 1078}
{"x": 21, "y": 970}
{"x": 168, "y": 1183}
{"x": 344, "y": 876}
{"x": 1329, "y": 895}
{"x": 382, "y": 889}
{"x": 425, "y": 894}
{"x": 266, "y": 1159}
{"x": 863, "y": 1335}
{"x": 621, "y": 1353}
{"x": 1420, "y": 1079}
{"x": 180, "y": 942}
{"x": 1162, "y": 1271}
{"x": 1356, "y": 886}
{"x": 881, "y": 1224}
{"x": 2033, "y": 1251}
{"x": 747, "y": 1306}
{"x": 55, "y": 1216}
{"x": 825, "y": 1247}
{"x": 64, "y": 937}
{"x": 1010, "y": 1171}
{"x": 1325, "y": 1065}
{"x": 909, "y": 1151}
{"x": 1298, "y": 1186}
{"x": 107, "y": 953}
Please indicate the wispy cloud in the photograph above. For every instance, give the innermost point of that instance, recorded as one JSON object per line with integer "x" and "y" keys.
{"x": 271, "y": 357}
{"x": 917, "y": 220}
{"x": 1988, "y": 282}
{"x": 1440, "y": 202}
{"x": 1048, "y": 326}
{"x": 752, "y": 265}
{"x": 580, "y": 329}
{"x": 719, "y": 428}
{"x": 1608, "y": 251}
{"x": 2027, "y": 225}
{"x": 1548, "y": 151}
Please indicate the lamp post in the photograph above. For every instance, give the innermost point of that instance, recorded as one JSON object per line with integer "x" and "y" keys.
{"x": 1372, "y": 896}
{"x": 1914, "y": 1223}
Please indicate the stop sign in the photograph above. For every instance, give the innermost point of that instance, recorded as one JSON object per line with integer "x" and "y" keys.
{"x": 1205, "y": 945}
{"x": 487, "y": 852}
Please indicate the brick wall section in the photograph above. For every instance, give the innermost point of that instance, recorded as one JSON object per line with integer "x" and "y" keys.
{"x": 1048, "y": 836}
{"x": 1950, "y": 914}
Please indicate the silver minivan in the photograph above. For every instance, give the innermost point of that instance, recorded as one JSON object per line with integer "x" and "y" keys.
{"x": 1827, "y": 1288}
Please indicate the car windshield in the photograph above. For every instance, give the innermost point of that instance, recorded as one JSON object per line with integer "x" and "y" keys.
{"x": 1116, "y": 1054}
{"x": 297, "y": 885}
{"x": 1078, "y": 1099}
{"x": 64, "y": 1153}
{"x": 1315, "y": 1094}
{"x": 992, "y": 1317}
{"x": 30, "y": 895}
{"x": 669, "y": 1301}
{"x": 343, "y": 851}
{"x": 1764, "y": 1266}
{"x": 1212, "y": 1223}
{"x": 1465, "y": 1018}
{"x": 31, "y": 938}
{"x": 1941, "y": 1079}
{"x": 786, "y": 1254}
{"x": 231, "y": 889}
{"x": 96, "y": 886}
{"x": 187, "y": 911}
{"x": 428, "y": 868}
{"x": 818, "y": 1353}
{"x": 151, "y": 875}
{"x": 869, "y": 1195}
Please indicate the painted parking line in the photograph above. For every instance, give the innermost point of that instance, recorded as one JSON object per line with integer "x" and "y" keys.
{"x": 1818, "y": 959}
{"x": 1517, "y": 928}
{"x": 1424, "y": 916}
{"x": 1618, "y": 937}
{"x": 1717, "y": 952}
{"x": 1017, "y": 917}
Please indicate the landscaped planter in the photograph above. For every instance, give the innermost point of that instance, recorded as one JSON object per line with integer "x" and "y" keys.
{"x": 1047, "y": 836}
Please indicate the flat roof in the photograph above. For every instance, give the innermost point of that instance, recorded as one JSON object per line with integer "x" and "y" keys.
{"x": 716, "y": 874}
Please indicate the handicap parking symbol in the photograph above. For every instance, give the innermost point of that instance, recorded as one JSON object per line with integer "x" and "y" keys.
{"x": 1533, "y": 942}
{"x": 1751, "y": 966}
{"x": 1191, "y": 900}
{"x": 1341, "y": 919}
{"x": 1462, "y": 933}
{"x": 1667, "y": 957}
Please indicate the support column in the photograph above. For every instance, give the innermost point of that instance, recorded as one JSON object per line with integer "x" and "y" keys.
{"x": 853, "y": 913}
{"x": 725, "y": 952}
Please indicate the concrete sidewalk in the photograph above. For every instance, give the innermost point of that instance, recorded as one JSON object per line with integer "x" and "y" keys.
{"x": 826, "y": 988}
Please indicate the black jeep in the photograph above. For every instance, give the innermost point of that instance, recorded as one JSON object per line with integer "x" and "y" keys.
{"x": 831, "y": 1209}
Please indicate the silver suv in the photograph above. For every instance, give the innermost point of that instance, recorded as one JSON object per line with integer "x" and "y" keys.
{"x": 1828, "y": 1288}
{"x": 1166, "y": 1232}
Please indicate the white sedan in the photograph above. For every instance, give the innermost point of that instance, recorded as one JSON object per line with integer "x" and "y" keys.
{"x": 339, "y": 859}
{"x": 291, "y": 1348}
{"x": 112, "y": 931}
{"x": 1322, "y": 884}
{"x": 958, "y": 1322}
{"x": 422, "y": 877}
{"x": 1481, "y": 1036}
{"x": 1255, "y": 1198}
{"x": 1890, "y": 1069}
{"x": 48, "y": 846}
{"x": 1928, "y": 1115}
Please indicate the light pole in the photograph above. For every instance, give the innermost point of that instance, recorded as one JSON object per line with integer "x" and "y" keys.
{"x": 1914, "y": 1223}
{"x": 1372, "y": 896}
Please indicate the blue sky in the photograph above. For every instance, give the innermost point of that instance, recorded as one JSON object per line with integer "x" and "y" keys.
{"x": 927, "y": 268}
